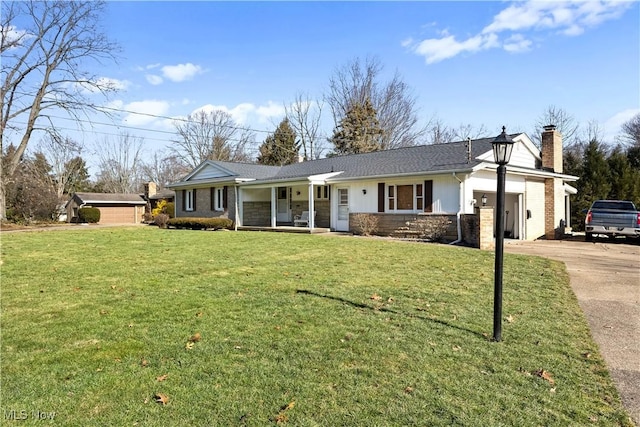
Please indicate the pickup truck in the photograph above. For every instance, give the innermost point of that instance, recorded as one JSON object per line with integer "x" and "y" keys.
{"x": 612, "y": 218}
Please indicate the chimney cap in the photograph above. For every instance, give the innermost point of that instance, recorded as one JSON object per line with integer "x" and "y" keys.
{"x": 549, "y": 128}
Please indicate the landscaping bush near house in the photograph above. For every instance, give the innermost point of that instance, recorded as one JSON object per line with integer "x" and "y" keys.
{"x": 432, "y": 228}
{"x": 366, "y": 224}
{"x": 200, "y": 223}
{"x": 164, "y": 207}
{"x": 88, "y": 214}
{"x": 161, "y": 220}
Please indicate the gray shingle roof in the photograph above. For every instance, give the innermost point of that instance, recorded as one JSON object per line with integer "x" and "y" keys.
{"x": 400, "y": 161}
{"x": 110, "y": 198}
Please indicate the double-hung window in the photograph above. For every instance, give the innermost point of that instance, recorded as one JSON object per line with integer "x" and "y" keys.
{"x": 189, "y": 204}
{"x": 218, "y": 195}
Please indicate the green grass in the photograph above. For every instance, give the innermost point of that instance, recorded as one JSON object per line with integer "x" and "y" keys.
{"x": 306, "y": 330}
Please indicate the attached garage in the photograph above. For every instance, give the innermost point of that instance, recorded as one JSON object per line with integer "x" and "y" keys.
{"x": 114, "y": 208}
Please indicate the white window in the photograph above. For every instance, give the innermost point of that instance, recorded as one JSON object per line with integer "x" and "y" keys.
{"x": 405, "y": 198}
{"x": 322, "y": 192}
{"x": 219, "y": 199}
{"x": 188, "y": 200}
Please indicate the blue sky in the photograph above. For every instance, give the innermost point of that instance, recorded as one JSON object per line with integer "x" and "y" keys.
{"x": 481, "y": 63}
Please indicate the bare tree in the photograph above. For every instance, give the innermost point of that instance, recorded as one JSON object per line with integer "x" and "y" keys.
{"x": 120, "y": 164}
{"x": 211, "y": 136}
{"x": 304, "y": 117}
{"x": 59, "y": 153}
{"x": 439, "y": 133}
{"x": 564, "y": 122}
{"x": 42, "y": 68}
{"x": 468, "y": 131}
{"x": 630, "y": 132}
{"x": 395, "y": 105}
{"x": 163, "y": 168}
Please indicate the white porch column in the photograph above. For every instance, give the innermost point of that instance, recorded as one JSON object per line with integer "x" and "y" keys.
{"x": 274, "y": 207}
{"x": 312, "y": 218}
{"x": 567, "y": 212}
{"x": 238, "y": 203}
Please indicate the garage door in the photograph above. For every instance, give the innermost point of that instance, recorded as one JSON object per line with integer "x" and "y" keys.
{"x": 117, "y": 215}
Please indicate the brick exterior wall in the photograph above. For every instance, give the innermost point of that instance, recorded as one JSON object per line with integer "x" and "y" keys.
{"x": 203, "y": 205}
{"x": 486, "y": 240}
{"x": 410, "y": 225}
{"x": 470, "y": 224}
{"x": 256, "y": 214}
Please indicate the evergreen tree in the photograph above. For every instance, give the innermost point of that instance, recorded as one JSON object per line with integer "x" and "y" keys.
{"x": 281, "y": 148}
{"x": 359, "y": 131}
{"x": 625, "y": 181}
{"x": 594, "y": 182}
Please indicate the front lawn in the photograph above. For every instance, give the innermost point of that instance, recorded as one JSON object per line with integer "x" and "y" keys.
{"x": 149, "y": 327}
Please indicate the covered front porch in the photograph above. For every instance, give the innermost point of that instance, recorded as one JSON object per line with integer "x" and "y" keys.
{"x": 300, "y": 206}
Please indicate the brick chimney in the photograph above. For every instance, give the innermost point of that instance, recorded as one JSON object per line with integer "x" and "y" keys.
{"x": 551, "y": 149}
{"x": 150, "y": 189}
{"x": 553, "y": 190}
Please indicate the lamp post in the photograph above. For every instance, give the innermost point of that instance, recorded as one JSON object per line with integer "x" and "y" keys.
{"x": 502, "y": 146}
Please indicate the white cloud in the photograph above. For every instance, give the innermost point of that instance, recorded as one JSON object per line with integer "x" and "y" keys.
{"x": 246, "y": 113}
{"x": 154, "y": 79}
{"x": 570, "y": 18}
{"x": 181, "y": 72}
{"x": 567, "y": 17}
{"x": 436, "y": 50}
{"x": 613, "y": 125}
{"x": 516, "y": 44}
{"x": 105, "y": 84}
{"x": 269, "y": 111}
{"x": 147, "y": 109}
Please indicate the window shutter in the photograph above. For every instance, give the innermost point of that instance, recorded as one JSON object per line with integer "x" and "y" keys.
{"x": 428, "y": 196}
{"x": 184, "y": 200}
{"x": 381, "y": 197}
{"x": 224, "y": 198}
{"x": 212, "y": 196}
{"x": 194, "y": 199}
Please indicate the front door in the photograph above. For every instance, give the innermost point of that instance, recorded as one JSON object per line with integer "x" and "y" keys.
{"x": 283, "y": 211}
{"x": 342, "y": 223}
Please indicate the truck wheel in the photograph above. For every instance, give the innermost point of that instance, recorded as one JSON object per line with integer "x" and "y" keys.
{"x": 588, "y": 237}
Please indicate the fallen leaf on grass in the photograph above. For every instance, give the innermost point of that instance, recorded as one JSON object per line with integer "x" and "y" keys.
{"x": 199, "y": 314}
{"x": 195, "y": 337}
{"x": 282, "y": 416}
{"x": 586, "y": 355}
{"x": 144, "y": 362}
{"x": 189, "y": 345}
{"x": 457, "y": 348}
{"x": 162, "y": 377}
{"x": 408, "y": 390}
{"x": 510, "y": 318}
{"x": 545, "y": 375}
{"x": 375, "y": 297}
{"x": 161, "y": 398}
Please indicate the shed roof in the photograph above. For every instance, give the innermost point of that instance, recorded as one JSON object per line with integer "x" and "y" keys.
{"x": 98, "y": 198}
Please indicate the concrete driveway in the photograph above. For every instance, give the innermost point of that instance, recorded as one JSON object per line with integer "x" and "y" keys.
{"x": 605, "y": 276}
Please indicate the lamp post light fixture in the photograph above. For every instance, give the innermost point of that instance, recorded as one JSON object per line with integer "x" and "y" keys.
{"x": 484, "y": 200}
{"x": 502, "y": 147}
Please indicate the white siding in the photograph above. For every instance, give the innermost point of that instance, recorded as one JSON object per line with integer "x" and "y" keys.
{"x": 522, "y": 156}
{"x": 209, "y": 172}
{"x": 534, "y": 201}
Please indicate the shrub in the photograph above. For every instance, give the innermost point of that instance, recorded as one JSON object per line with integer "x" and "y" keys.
{"x": 431, "y": 228}
{"x": 169, "y": 209}
{"x": 90, "y": 215}
{"x": 164, "y": 207}
{"x": 200, "y": 223}
{"x": 367, "y": 224}
{"x": 161, "y": 220}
